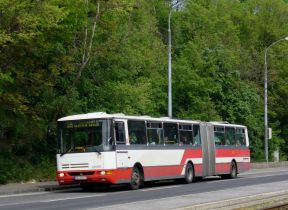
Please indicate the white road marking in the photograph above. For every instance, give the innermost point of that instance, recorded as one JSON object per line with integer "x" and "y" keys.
{"x": 228, "y": 180}
{"x": 79, "y": 197}
{"x": 160, "y": 188}
{"x": 23, "y": 194}
{"x": 52, "y": 200}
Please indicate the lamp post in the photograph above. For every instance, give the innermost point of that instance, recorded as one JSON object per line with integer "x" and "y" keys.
{"x": 266, "y": 97}
{"x": 174, "y": 5}
{"x": 169, "y": 69}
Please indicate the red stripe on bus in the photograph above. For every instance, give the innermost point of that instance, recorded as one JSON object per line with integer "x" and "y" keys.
{"x": 193, "y": 153}
{"x": 161, "y": 171}
{"x": 225, "y": 167}
{"x": 232, "y": 152}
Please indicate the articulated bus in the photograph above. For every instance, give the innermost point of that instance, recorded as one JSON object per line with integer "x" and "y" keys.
{"x": 100, "y": 148}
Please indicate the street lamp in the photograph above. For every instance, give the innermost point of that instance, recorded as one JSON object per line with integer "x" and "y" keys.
{"x": 174, "y": 5}
{"x": 169, "y": 69}
{"x": 266, "y": 98}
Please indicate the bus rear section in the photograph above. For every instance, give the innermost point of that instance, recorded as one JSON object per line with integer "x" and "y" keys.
{"x": 226, "y": 150}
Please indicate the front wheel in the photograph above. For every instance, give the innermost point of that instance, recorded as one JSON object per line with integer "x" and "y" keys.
{"x": 189, "y": 174}
{"x": 136, "y": 179}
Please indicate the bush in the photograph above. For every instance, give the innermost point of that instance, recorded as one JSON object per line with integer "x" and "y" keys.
{"x": 13, "y": 169}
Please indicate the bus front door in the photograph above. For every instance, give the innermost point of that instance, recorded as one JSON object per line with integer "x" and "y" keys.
{"x": 121, "y": 142}
{"x": 208, "y": 149}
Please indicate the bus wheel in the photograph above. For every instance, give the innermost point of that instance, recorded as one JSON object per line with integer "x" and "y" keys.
{"x": 136, "y": 179}
{"x": 189, "y": 174}
{"x": 233, "y": 171}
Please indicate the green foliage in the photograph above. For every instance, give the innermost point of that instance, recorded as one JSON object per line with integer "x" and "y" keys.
{"x": 65, "y": 57}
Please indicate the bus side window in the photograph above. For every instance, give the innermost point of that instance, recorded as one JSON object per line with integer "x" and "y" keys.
{"x": 219, "y": 136}
{"x": 170, "y": 133}
{"x": 196, "y": 135}
{"x": 155, "y": 133}
{"x": 240, "y": 137}
{"x": 120, "y": 133}
{"x": 137, "y": 132}
{"x": 230, "y": 136}
{"x": 185, "y": 134}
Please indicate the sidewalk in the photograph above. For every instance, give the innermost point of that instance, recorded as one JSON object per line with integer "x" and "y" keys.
{"x": 16, "y": 188}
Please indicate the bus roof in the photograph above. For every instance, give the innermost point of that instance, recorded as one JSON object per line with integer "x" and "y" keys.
{"x": 103, "y": 115}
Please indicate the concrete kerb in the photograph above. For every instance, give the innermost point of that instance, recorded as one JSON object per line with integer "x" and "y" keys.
{"x": 30, "y": 188}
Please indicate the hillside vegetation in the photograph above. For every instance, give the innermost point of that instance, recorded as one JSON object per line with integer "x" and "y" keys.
{"x": 62, "y": 57}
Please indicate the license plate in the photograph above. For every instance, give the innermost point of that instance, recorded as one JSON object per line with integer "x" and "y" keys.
{"x": 80, "y": 177}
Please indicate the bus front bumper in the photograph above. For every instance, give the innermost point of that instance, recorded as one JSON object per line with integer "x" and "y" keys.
{"x": 94, "y": 176}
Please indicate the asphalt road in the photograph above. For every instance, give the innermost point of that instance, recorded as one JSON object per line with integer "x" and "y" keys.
{"x": 164, "y": 195}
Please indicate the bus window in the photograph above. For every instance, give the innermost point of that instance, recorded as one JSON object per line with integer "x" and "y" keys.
{"x": 196, "y": 135}
{"x": 170, "y": 133}
{"x": 185, "y": 134}
{"x": 219, "y": 137}
{"x": 120, "y": 133}
{"x": 230, "y": 136}
{"x": 240, "y": 137}
{"x": 137, "y": 132}
{"x": 154, "y": 133}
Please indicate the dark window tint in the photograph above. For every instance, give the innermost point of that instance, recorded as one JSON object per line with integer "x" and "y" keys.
{"x": 230, "y": 136}
{"x": 196, "y": 135}
{"x": 120, "y": 132}
{"x": 219, "y": 136}
{"x": 240, "y": 137}
{"x": 185, "y": 134}
{"x": 137, "y": 132}
{"x": 155, "y": 133}
{"x": 170, "y": 133}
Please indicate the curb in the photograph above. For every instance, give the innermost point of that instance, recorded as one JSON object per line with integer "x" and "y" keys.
{"x": 39, "y": 189}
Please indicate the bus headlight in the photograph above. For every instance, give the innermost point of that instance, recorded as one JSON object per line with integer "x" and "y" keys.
{"x": 61, "y": 175}
{"x": 105, "y": 173}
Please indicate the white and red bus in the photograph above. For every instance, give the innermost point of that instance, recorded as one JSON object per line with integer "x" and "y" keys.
{"x": 115, "y": 148}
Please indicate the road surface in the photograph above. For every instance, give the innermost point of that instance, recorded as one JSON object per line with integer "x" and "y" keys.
{"x": 163, "y": 195}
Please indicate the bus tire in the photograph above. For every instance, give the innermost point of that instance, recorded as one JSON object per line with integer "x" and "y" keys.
{"x": 233, "y": 170}
{"x": 189, "y": 173}
{"x": 136, "y": 179}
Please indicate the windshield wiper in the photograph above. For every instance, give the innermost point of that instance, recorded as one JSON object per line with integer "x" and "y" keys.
{"x": 63, "y": 153}
{"x": 98, "y": 151}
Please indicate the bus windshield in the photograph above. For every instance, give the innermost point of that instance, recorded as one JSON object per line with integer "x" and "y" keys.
{"x": 84, "y": 136}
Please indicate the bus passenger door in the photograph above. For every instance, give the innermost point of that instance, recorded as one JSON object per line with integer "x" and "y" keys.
{"x": 208, "y": 149}
{"x": 121, "y": 141}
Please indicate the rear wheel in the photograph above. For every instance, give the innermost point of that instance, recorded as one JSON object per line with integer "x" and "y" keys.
{"x": 136, "y": 179}
{"x": 233, "y": 171}
{"x": 189, "y": 174}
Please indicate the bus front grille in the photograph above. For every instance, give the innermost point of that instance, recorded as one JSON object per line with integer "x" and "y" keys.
{"x": 75, "y": 165}
{"x": 86, "y": 173}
